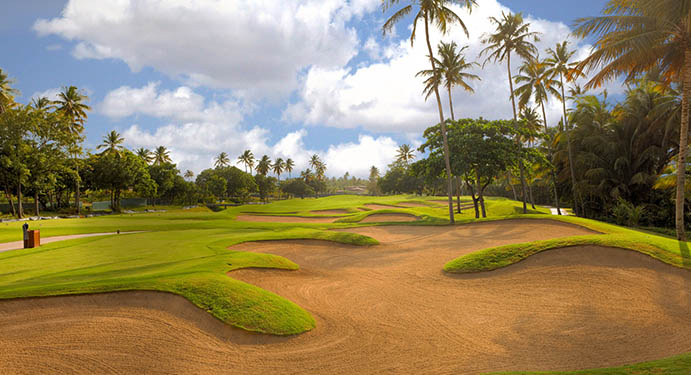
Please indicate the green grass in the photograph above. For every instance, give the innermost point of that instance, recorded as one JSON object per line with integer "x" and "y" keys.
{"x": 662, "y": 248}
{"x": 185, "y": 252}
{"x": 677, "y": 365}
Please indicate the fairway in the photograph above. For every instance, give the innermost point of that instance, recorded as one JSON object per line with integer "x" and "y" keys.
{"x": 387, "y": 308}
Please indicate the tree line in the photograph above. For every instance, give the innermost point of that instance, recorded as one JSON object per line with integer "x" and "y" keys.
{"x": 639, "y": 39}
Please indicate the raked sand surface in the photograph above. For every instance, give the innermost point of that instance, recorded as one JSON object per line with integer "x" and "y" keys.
{"x": 381, "y": 309}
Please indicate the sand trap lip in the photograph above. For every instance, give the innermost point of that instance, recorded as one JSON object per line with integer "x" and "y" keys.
{"x": 331, "y": 212}
{"x": 383, "y": 218}
{"x": 375, "y": 206}
{"x": 285, "y": 219}
{"x": 381, "y": 309}
{"x": 16, "y": 245}
{"x": 412, "y": 204}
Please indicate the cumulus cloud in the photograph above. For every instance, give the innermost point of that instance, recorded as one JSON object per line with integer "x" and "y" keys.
{"x": 385, "y": 96}
{"x": 198, "y": 130}
{"x": 256, "y": 47}
{"x": 51, "y": 94}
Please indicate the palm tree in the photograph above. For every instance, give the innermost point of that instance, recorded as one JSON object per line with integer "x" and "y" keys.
{"x": 559, "y": 64}
{"x": 538, "y": 83}
{"x": 264, "y": 165}
{"x": 289, "y": 166}
{"x": 314, "y": 161}
{"x": 373, "y": 173}
{"x": 145, "y": 154}
{"x": 278, "y": 167}
{"x": 452, "y": 70}
{"x": 511, "y": 36}
{"x": 405, "y": 154}
{"x": 161, "y": 155}
{"x": 7, "y": 93}
{"x": 437, "y": 12}
{"x": 189, "y": 174}
{"x": 42, "y": 103}
{"x": 112, "y": 143}
{"x": 635, "y": 36}
{"x": 320, "y": 170}
{"x": 70, "y": 104}
{"x": 247, "y": 158}
{"x": 222, "y": 160}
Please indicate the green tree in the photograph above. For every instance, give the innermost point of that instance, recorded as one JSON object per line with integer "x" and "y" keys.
{"x": 536, "y": 81}
{"x": 374, "y": 175}
{"x": 437, "y": 12}
{"x": 297, "y": 187}
{"x": 512, "y": 35}
{"x": 222, "y": 160}
{"x": 560, "y": 64}
{"x": 264, "y": 165}
{"x": 7, "y": 93}
{"x": 161, "y": 155}
{"x": 71, "y": 104}
{"x": 278, "y": 167}
{"x": 145, "y": 154}
{"x": 116, "y": 173}
{"x": 112, "y": 143}
{"x": 634, "y": 36}
{"x": 265, "y": 185}
{"x": 247, "y": 158}
{"x": 189, "y": 174}
{"x": 405, "y": 154}
{"x": 451, "y": 70}
{"x": 164, "y": 176}
{"x": 290, "y": 164}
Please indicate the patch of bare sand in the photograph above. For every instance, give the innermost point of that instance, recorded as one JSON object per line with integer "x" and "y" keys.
{"x": 285, "y": 219}
{"x": 373, "y": 206}
{"x": 386, "y": 308}
{"x": 383, "y": 218}
{"x": 331, "y": 212}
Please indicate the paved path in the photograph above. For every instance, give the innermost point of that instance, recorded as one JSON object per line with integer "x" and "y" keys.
{"x": 16, "y": 245}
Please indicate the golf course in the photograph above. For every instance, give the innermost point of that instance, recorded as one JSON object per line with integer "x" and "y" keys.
{"x": 345, "y": 284}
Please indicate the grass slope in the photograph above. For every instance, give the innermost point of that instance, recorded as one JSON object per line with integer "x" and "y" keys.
{"x": 677, "y": 365}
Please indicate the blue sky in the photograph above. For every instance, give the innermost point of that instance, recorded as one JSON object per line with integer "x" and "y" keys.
{"x": 287, "y": 80}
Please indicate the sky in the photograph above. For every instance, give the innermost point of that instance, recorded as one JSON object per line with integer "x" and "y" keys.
{"x": 283, "y": 78}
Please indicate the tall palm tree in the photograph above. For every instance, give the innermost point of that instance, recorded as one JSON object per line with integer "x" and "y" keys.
{"x": 538, "y": 83}
{"x": 278, "y": 167}
{"x": 42, "y": 103}
{"x": 314, "y": 161}
{"x": 145, "y": 154}
{"x": 320, "y": 170}
{"x": 437, "y": 12}
{"x": 7, "y": 93}
{"x": 247, "y": 158}
{"x": 634, "y": 36}
{"x": 71, "y": 104}
{"x": 162, "y": 156}
{"x": 189, "y": 174}
{"x": 405, "y": 154}
{"x": 290, "y": 164}
{"x": 512, "y": 35}
{"x": 560, "y": 65}
{"x": 264, "y": 165}
{"x": 112, "y": 143}
{"x": 222, "y": 160}
{"x": 451, "y": 70}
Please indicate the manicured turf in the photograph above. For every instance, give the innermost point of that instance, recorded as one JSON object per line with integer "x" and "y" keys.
{"x": 185, "y": 252}
{"x": 677, "y": 365}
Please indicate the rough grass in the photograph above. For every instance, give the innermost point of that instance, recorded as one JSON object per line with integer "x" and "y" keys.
{"x": 677, "y": 365}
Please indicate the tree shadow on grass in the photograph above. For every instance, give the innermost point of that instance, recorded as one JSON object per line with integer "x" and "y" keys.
{"x": 685, "y": 253}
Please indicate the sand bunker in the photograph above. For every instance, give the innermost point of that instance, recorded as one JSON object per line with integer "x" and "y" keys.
{"x": 382, "y": 309}
{"x": 285, "y": 219}
{"x": 383, "y": 218}
{"x": 373, "y": 206}
{"x": 331, "y": 212}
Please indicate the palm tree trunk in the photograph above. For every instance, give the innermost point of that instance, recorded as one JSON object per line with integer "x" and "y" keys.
{"x": 551, "y": 159}
{"x": 515, "y": 119}
{"x": 448, "y": 88}
{"x": 8, "y": 194}
{"x": 508, "y": 181}
{"x": 683, "y": 144}
{"x": 449, "y": 188}
{"x": 20, "y": 208}
{"x": 574, "y": 188}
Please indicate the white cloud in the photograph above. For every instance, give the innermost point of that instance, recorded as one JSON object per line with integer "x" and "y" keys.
{"x": 198, "y": 130}
{"x": 51, "y": 94}
{"x": 385, "y": 96}
{"x": 254, "y": 46}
